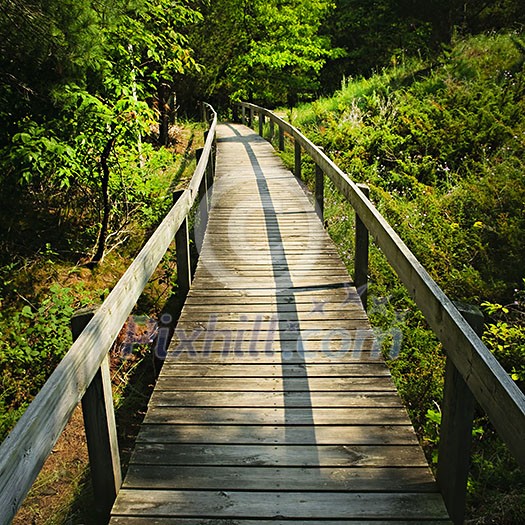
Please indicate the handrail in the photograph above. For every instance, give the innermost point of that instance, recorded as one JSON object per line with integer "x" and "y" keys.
{"x": 24, "y": 451}
{"x": 494, "y": 390}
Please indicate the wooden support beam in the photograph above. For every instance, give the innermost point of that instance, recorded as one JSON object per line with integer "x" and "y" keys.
{"x": 209, "y": 176}
{"x": 182, "y": 250}
{"x": 281, "y": 139}
{"x": 456, "y": 430}
{"x": 361, "y": 253}
{"x": 203, "y": 192}
{"x": 101, "y": 430}
{"x": 261, "y": 124}
{"x": 297, "y": 163}
{"x": 319, "y": 192}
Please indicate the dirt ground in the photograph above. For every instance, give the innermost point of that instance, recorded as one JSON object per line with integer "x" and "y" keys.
{"x": 62, "y": 494}
{"x": 63, "y": 474}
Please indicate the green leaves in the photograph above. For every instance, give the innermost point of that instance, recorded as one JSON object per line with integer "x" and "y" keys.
{"x": 270, "y": 52}
{"x": 38, "y": 154}
{"x": 33, "y": 340}
{"x": 505, "y": 334}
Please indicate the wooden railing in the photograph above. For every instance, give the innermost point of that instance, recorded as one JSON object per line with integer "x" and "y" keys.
{"x": 472, "y": 372}
{"x": 83, "y": 374}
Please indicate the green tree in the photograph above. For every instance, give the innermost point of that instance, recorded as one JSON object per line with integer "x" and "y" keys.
{"x": 269, "y": 52}
{"x": 80, "y": 84}
{"x": 373, "y": 34}
{"x": 379, "y": 33}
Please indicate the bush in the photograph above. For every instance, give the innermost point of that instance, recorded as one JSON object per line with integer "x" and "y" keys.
{"x": 32, "y": 342}
{"x": 441, "y": 148}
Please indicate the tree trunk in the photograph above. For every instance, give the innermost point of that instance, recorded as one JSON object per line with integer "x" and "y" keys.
{"x": 106, "y": 207}
{"x": 164, "y": 92}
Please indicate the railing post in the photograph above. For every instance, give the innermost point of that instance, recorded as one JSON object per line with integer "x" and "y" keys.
{"x": 250, "y": 118}
{"x": 235, "y": 113}
{"x": 261, "y": 123}
{"x": 272, "y": 130}
{"x": 297, "y": 170}
{"x": 456, "y": 430}
{"x": 203, "y": 192}
{"x": 101, "y": 429}
{"x": 361, "y": 253}
{"x": 319, "y": 192}
{"x": 182, "y": 251}
{"x": 243, "y": 115}
{"x": 281, "y": 139}
{"x": 210, "y": 175}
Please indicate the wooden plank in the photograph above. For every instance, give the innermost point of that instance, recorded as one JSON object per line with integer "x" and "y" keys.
{"x": 279, "y": 230}
{"x": 287, "y": 351}
{"x": 303, "y": 266}
{"x": 260, "y": 232}
{"x": 271, "y": 285}
{"x": 288, "y": 505}
{"x": 269, "y": 273}
{"x": 309, "y": 329}
{"x": 299, "y": 301}
{"x": 280, "y": 370}
{"x": 278, "y": 330}
{"x": 305, "y": 310}
{"x": 319, "y": 356}
{"x": 285, "y": 306}
{"x": 279, "y": 455}
{"x": 134, "y": 520}
{"x": 319, "y": 479}
{"x": 340, "y": 345}
{"x": 276, "y": 416}
{"x": 264, "y": 384}
{"x": 328, "y": 332}
{"x": 329, "y": 292}
{"x": 299, "y": 261}
{"x": 275, "y": 399}
{"x": 279, "y": 434}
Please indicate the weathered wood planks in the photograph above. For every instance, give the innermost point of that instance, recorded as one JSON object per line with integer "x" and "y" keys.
{"x": 273, "y": 405}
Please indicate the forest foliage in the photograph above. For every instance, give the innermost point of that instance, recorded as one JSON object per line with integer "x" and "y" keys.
{"x": 85, "y": 95}
{"x": 442, "y": 151}
{"x": 422, "y": 100}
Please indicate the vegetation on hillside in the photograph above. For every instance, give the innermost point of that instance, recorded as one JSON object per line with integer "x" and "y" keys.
{"x": 83, "y": 177}
{"x": 430, "y": 115}
{"x": 442, "y": 150}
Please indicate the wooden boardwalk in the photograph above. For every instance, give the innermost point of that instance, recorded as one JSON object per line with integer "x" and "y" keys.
{"x": 273, "y": 405}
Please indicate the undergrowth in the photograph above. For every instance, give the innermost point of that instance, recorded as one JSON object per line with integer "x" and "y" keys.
{"x": 441, "y": 147}
{"x": 44, "y": 279}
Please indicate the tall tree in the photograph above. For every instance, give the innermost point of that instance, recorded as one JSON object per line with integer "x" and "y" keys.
{"x": 79, "y": 83}
{"x": 266, "y": 51}
{"x": 376, "y": 33}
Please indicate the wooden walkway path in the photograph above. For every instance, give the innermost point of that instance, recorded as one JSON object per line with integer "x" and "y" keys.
{"x": 272, "y": 406}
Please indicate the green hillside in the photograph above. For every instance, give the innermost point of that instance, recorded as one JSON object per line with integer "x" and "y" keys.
{"x": 441, "y": 147}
